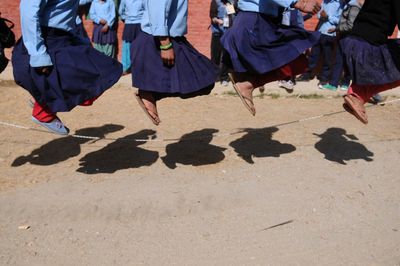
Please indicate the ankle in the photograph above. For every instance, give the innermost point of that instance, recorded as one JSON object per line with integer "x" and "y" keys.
{"x": 148, "y": 96}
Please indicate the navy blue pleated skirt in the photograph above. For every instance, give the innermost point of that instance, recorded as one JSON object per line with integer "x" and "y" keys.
{"x": 109, "y": 37}
{"x": 256, "y": 43}
{"x": 131, "y": 31}
{"x": 79, "y": 72}
{"x": 371, "y": 64}
{"x": 193, "y": 74}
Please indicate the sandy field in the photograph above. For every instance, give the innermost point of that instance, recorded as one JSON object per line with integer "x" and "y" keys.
{"x": 211, "y": 185}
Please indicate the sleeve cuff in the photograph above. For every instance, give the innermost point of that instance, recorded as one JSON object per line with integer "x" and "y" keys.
{"x": 40, "y": 60}
{"x": 159, "y": 30}
{"x": 286, "y": 3}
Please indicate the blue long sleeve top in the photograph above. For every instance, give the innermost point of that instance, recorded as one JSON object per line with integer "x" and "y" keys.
{"x": 333, "y": 9}
{"x": 354, "y": 3}
{"x": 102, "y": 9}
{"x": 131, "y": 11}
{"x": 81, "y": 3}
{"x": 268, "y": 7}
{"x": 60, "y": 14}
{"x": 292, "y": 17}
{"x": 165, "y": 17}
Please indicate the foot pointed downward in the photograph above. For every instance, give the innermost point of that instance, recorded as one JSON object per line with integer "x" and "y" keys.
{"x": 55, "y": 126}
{"x": 245, "y": 92}
{"x": 356, "y": 107}
{"x": 148, "y": 104}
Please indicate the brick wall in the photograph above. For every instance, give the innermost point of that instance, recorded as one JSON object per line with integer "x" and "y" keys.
{"x": 199, "y": 34}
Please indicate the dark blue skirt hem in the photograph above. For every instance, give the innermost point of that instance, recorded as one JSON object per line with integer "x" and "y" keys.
{"x": 257, "y": 44}
{"x": 371, "y": 64}
{"x": 192, "y": 72}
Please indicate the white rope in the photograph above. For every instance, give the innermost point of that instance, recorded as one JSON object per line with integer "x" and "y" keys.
{"x": 6, "y": 124}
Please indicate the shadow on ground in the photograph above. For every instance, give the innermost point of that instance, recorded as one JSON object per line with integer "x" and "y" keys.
{"x": 194, "y": 149}
{"x": 338, "y": 146}
{"x": 59, "y": 150}
{"x": 124, "y": 153}
{"x": 258, "y": 142}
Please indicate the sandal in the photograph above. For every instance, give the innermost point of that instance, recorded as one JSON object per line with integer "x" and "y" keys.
{"x": 247, "y": 102}
{"x": 354, "y": 106}
{"x": 152, "y": 115}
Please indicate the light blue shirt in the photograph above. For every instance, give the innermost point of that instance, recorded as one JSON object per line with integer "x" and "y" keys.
{"x": 102, "y": 10}
{"x": 81, "y": 3}
{"x": 354, "y": 3}
{"x": 333, "y": 9}
{"x": 292, "y": 17}
{"x": 222, "y": 14}
{"x": 165, "y": 17}
{"x": 131, "y": 11}
{"x": 60, "y": 14}
{"x": 268, "y": 7}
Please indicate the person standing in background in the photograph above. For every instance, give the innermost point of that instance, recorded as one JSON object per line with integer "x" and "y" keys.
{"x": 332, "y": 52}
{"x": 103, "y": 14}
{"x": 329, "y": 16}
{"x": 222, "y": 13}
{"x": 131, "y": 12}
{"x": 292, "y": 17}
{"x": 80, "y": 29}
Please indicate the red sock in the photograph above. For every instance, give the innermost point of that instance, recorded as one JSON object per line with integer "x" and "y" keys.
{"x": 297, "y": 66}
{"x": 43, "y": 114}
{"x": 286, "y": 72}
{"x": 89, "y": 102}
{"x": 365, "y": 92}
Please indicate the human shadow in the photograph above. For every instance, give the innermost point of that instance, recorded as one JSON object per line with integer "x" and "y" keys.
{"x": 194, "y": 149}
{"x": 62, "y": 149}
{"x": 123, "y": 153}
{"x": 338, "y": 146}
{"x": 259, "y": 143}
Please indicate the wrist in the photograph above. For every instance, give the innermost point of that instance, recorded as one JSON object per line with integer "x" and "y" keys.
{"x": 166, "y": 47}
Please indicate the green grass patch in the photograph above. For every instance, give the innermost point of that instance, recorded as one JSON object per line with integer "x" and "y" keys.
{"x": 310, "y": 96}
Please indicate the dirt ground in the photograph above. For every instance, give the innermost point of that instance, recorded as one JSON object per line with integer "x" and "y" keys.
{"x": 212, "y": 185}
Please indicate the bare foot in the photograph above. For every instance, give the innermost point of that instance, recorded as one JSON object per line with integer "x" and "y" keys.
{"x": 149, "y": 105}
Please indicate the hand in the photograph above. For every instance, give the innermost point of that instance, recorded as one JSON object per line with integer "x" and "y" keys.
{"x": 167, "y": 56}
{"x": 308, "y": 6}
{"x": 103, "y": 22}
{"x": 323, "y": 14}
{"x": 331, "y": 30}
{"x": 104, "y": 29}
{"x": 45, "y": 70}
{"x": 218, "y": 21}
